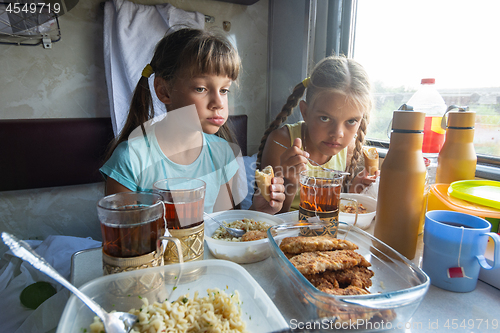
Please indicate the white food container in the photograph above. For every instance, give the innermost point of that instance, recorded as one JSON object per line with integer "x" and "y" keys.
{"x": 239, "y": 252}
{"x": 364, "y": 220}
{"x": 124, "y": 291}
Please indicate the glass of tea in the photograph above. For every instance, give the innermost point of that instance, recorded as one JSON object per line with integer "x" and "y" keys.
{"x": 184, "y": 200}
{"x": 131, "y": 225}
{"x": 320, "y": 200}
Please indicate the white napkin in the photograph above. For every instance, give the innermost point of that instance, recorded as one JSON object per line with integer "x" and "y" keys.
{"x": 15, "y": 275}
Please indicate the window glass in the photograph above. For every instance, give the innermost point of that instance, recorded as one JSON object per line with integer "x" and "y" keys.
{"x": 399, "y": 42}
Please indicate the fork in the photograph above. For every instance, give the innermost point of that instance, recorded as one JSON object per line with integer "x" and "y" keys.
{"x": 232, "y": 231}
{"x": 115, "y": 322}
{"x": 316, "y": 163}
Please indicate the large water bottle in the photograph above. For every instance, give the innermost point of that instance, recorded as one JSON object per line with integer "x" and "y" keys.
{"x": 428, "y": 100}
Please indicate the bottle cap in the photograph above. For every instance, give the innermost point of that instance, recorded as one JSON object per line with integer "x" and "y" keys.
{"x": 428, "y": 81}
{"x": 461, "y": 119}
{"x": 408, "y": 120}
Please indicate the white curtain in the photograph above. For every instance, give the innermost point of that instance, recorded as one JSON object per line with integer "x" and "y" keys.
{"x": 131, "y": 32}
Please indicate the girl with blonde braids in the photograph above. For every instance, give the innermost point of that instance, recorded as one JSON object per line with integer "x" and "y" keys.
{"x": 335, "y": 112}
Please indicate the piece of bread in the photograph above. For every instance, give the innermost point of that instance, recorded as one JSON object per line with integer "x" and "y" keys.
{"x": 263, "y": 181}
{"x": 371, "y": 159}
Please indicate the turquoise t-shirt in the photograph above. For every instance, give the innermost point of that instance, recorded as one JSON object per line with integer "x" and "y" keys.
{"x": 139, "y": 162}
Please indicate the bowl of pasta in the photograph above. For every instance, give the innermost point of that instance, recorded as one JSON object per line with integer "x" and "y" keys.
{"x": 216, "y": 295}
{"x": 253, "y": 246}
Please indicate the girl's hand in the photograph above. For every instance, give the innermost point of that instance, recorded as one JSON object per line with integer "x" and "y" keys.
{"x": 293, "y": 161}
{"x": 362, "y": 180}
{"x": 277, "y": 198}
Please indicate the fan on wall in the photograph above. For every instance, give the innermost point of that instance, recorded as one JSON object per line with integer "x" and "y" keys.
{"x": 31, "y": 22}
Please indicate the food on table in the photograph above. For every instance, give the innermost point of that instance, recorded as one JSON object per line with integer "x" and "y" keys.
{"x": 320, "y": 261}
{"x": 263, "y": 181}
{"x": 253, "y": 235}
{"x": 257, "y": 230}
{"x": 357, "y": 276}
{"x": 295, "y": 245}
{"x": 216, "y": 312}
{"x": 333, "y": 267}
{"x": 350, "y": 208}
{"x": 350, "y": 290}
{"x": 371, "y": 159}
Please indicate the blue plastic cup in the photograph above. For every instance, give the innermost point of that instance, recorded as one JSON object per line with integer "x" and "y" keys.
{"x": 455, "y": 241}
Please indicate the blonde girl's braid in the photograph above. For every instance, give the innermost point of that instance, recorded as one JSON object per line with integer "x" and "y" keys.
{"x": 286, "y": 110}
{"x": 360, "y": 140}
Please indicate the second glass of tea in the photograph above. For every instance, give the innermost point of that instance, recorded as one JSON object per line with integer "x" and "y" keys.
{"x": 320, "y": 201}
{"x": 184, "y": 200}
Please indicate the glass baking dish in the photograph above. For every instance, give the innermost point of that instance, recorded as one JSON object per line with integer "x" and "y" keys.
{"x": 398, "y": 286}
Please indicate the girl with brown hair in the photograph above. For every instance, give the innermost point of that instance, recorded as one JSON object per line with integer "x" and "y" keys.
{"x": 194, "y": 70}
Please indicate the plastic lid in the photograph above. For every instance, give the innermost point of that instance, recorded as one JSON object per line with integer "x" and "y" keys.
{"x": 482, "y": 192}
{"x": 408, "y": 120}
{"x": 461, "y": 119}
{"x": 459, "y": 205}
{"x": 428, "y": 81}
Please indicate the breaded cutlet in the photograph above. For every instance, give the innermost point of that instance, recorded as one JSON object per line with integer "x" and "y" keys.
{"x": 351, "y": 290}
{"x": 302, "y": 244}
{"x": 356, "y": 276}
{"x": 320, "y": 261}
{"x": 320, "y": 282}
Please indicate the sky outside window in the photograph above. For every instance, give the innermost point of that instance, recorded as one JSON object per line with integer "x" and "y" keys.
{"x": 399, "y": 42}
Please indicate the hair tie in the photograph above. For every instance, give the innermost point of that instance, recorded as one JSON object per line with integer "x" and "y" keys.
{"x": 147, "y": 71}
{"x": 306, "y": 82}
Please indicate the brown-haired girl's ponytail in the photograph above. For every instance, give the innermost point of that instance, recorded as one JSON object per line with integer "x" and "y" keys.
{"x": 360, "y": 140}
{"x": 286, "y": 110}
{"x": 141, "y": 110}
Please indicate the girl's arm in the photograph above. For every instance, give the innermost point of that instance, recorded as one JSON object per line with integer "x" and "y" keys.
{"x": 277, "y": 198}
{"x": 287, "y": 163}
{"x": 112, "y": 187}
{"x": 362, "y": 179}
{"x": 224, "y": 201}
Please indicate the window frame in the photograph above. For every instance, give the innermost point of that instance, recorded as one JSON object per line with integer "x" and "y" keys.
{"x": 488, "y": 166}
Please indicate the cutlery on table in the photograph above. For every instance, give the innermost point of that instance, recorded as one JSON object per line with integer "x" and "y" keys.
{"x": 232, "y": 231}
{"x": 316, "y": 163}
{"x": 116, "y": 322}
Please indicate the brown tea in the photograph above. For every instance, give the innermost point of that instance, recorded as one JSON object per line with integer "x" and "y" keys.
{"x": 132, "y": 239}
{"x": 184, "y": 215}
{"x": 320, "y": 199}
{"x": 456, "y": 224}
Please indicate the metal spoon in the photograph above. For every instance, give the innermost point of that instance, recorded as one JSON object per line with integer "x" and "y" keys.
{"x": 232, "y": 231}
{"x": 317, "y": 164}
{"x": 116, "y": 322}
